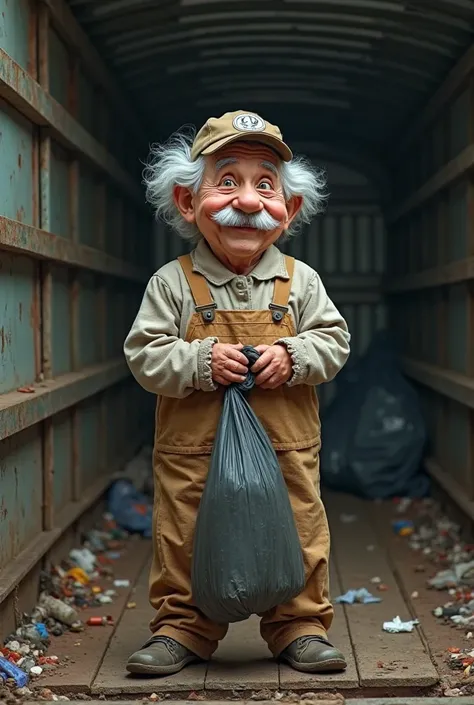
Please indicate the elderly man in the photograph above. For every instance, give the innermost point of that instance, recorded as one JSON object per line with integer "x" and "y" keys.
{"x": 235, "y": 190}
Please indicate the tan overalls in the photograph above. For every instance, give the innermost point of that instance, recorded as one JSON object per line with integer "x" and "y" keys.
{"x": 185, "y": 430}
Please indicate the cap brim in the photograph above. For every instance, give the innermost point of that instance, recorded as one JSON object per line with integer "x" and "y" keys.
{"x": 277, "y": 145}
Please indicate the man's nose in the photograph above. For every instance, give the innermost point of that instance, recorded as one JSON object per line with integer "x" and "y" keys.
{"x": 248, "y": 200}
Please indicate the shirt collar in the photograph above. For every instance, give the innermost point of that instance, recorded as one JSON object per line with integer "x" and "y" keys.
{"x": 271, "y": 265}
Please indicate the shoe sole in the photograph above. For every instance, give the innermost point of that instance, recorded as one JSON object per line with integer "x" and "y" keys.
{"x": 329, "y": 666}
{"x": 143, "y": 669}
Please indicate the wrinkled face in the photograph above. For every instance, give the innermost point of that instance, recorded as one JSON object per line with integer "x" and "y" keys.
{"x": 240, "y": 208}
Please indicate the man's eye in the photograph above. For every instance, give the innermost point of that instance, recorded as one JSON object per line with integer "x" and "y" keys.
{"x": 264, "y": 186}
{"x": 228, "y": 183}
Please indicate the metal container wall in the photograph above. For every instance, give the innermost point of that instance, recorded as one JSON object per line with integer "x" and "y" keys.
{"x": 74, "y": 254}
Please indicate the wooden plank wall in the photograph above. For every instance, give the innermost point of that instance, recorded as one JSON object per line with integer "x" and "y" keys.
{"x": 430, "y": 276}
{"x": 75, "y": 237}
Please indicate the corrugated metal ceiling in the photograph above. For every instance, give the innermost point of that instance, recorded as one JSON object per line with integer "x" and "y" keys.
{"x": 343, "y": 71}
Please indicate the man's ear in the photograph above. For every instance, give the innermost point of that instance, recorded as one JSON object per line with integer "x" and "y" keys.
{"x": 183, "y": 199}
{"x": 293, "y": 206}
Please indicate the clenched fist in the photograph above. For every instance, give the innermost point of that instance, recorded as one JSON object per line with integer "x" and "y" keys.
{"x": 274, "y": 366}
{"x": 228, "y": 364}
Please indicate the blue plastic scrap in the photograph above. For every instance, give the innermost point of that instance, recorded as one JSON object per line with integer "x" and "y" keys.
{"x": 361, "y": 595}
{"x": 132, "y": 510}
{"x": 9, "y": 670}
{"x": 41, "y": 629}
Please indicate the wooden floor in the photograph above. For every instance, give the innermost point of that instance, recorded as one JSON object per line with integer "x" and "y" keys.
{"x": 379, "y": 664}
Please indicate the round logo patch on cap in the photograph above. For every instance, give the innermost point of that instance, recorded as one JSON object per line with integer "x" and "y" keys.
{"x": 248, "y": 123}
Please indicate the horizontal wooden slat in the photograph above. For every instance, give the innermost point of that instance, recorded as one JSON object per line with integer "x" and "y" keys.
{"x": 451, "y": 273}
{"x": 25, "y": 239}
{"x": 353, "y": 281}
{"x": 450, "y": 173}
{"x": 452, "y": 488}
{"x": 15, "y": 571}
{"x": 450, "y": 384}
{"x": 70, "y": 30}
{"x": 457, "y": 77}
{"x": 20, "y": 410}
{"x": 31, "y": 100}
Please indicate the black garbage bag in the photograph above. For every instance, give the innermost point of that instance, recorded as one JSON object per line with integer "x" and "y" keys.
{"x": 373, "y": 432}
{"x": 247, "y": 555}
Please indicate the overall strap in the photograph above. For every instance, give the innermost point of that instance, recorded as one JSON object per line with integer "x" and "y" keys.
{"x": 281, "y": 292}
{"x": 203, "y": 301}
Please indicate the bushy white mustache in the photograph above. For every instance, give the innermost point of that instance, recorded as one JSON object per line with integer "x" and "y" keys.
{"x": 229, "y": 217}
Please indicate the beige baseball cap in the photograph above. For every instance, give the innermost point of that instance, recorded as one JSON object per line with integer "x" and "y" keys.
{"x": 239, "y": 125}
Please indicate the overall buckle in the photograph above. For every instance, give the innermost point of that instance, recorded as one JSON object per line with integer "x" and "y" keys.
{"x": 208, "y": 312}
{"x": 278, "y": 312}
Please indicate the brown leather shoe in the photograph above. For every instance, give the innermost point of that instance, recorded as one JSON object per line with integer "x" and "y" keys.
{"x": 160, "y": 656}
{"x": 313, "y": 654}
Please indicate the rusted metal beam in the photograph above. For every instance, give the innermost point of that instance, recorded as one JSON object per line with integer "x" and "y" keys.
{"x": 29, "y": 98}
{"x": 67, "y": 26}
{"x": 19, "y": 410}
{"x": 450, "y": 384}
{"x": 451, "y": 273}
{"x": 454, "y": 170}
{"x": 25, "y": 239}
{"x": 22, "y": 564}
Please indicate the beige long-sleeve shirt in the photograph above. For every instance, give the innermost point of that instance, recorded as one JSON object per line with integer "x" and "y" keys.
{"x": 165, "y": 364}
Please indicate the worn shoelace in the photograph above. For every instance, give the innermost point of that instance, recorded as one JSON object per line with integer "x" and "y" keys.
{"x": 170, "y": 644}
{"x": 305, "y": 641}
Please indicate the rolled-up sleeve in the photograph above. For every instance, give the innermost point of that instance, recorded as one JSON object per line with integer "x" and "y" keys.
{"x": 321, "y": 347}
{"x": 161, "y": 361}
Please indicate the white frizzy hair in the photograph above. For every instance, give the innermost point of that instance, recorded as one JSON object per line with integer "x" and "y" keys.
{"x": 170, "y": 165}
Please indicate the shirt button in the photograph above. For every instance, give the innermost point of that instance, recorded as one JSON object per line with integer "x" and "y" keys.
{"x": 240, "y": 284}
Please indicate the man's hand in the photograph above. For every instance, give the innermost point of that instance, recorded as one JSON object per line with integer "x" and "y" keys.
{"x": 228, "y": 364}
{"x": 274, "y": 366}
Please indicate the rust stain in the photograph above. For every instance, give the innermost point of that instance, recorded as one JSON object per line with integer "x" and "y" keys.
{"x": 20, "y": 214}
{"x": 20, "y": 161}
{"x": 34, "y": 314}
{"x": 2, "y": 340}
{"x": 32, "y": 66}
{"x": 20, "y": 311}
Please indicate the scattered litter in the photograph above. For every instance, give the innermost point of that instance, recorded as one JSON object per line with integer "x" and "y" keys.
{"x": 154, "y": 697}
{"x": 348, "y": 518}
{"x": 8, "y": 669}
{"x": 459, "y": 659}
{"x": 84, "y": 558}
{"x": 396, "y": 626}
{"x": 26, "y": 390}
{"x": 459, "y": 574}
{"x": 403, "y": 504}
{"x": 361, "y": 596}
{"x": 452, "y": 692}
{"x": 133, "y": 510}
{"x": 403, "y": 527}
{"x": 131, "y": 605}
{"x": 382, "y": 587}
{"x": 83, "y": 579}
{"x": 371, "y": 547}
{"x": 58, "y": 610}
{"x": 122, "y": 583}
{"x": 376, "y": 580}
{"x": 100, "y": 621}
{"x": 415, "y": 594}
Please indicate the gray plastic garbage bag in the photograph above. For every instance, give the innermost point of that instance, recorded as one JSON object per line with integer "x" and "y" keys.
{"x": 247, "y": 555}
